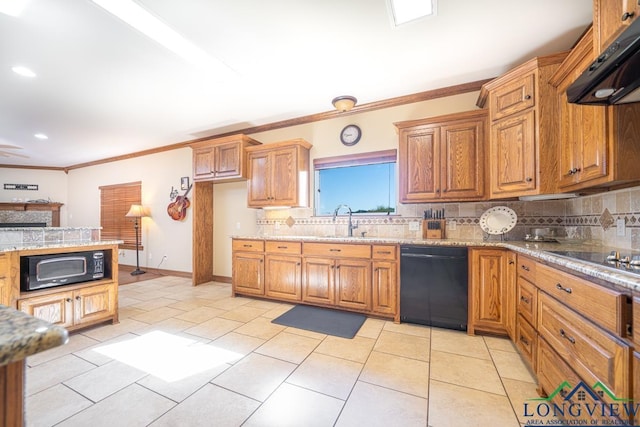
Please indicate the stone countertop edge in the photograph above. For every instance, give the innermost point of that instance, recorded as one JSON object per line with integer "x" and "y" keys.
{"x": 22, "y": 335}
{"x": 9, "y": 247}
{"x": 535, "y": 250}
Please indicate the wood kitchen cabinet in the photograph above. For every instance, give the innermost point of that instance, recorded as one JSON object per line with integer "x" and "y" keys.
{"x": 523, "y": 121}
{"x": 279, "y": 174}
{"x": 442, "y": 158}
{"x": 597, "y": 144}
{"x": 283, "y": 270}
{"x": 4, "y": 280}
{"x": 610, "y": 18}
{"x": 385, "y": 279}
{"x": 488, "y": 277}
{"x": 73, "y": 307}
{"x": 510, "y": 294}
{"x": 248, "y": 267}
{"x": 221, "y": 159}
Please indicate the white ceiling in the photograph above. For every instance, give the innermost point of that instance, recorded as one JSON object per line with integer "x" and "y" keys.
{"x": 104, "y": 89}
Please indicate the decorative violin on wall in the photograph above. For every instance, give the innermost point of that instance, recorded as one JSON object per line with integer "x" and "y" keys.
{"x": 178, "y": 208}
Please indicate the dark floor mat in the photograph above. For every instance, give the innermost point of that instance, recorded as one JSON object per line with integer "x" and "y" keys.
{"x": 322, "y": 320}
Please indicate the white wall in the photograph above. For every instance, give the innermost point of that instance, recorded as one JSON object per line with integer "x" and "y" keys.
{"x": 51, "y": 185}
{"x": 161, "y": 235}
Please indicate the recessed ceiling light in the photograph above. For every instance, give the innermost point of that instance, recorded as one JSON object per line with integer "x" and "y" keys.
{"x": 13, "y": 7}
{"x": 23, "y": 71}
{"x": 41, "y": 136}
{"x": 404, "y": 11}
{"x": 145, "y": 22}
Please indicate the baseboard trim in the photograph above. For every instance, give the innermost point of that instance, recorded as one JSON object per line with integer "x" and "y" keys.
{"x": 223, "y": 279}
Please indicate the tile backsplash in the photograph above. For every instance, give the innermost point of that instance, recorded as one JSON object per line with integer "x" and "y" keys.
{"x": 593, "y": 218}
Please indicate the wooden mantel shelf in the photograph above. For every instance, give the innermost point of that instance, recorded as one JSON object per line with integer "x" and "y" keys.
{"x": 24, "y": 206}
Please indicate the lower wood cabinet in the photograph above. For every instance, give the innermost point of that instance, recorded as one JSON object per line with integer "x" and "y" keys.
{"x": 4, "y": 280}
{"x": 488, "y": 279}
{"x": 356, "y": 277}
{"x": 73, "y": 308}
{"x": 636, "y": 377}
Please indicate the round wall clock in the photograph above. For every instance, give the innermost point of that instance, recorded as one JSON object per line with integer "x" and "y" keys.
{"x": 350, "y": 135}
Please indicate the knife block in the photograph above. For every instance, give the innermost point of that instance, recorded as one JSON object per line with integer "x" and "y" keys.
{"x": 433, "y": 228}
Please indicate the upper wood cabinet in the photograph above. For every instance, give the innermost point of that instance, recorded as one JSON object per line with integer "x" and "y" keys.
{"x": 597, "y": 144}
{"x": 442, "y": 158}
{"x": 610, "y": 18}
{"x": 221, "y": 159}
{"x": 278, "y": 174}
{"x": 523, "y": 140}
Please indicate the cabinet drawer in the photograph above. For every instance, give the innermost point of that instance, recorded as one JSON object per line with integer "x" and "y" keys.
{"x": 553, "y": 372}
{"x": 248, "y": 245}
{"x": 527, "y": 268}
{"x": 513, "y": 97}
{"x": 337, "y": 250}
{"x": 593, "y": 353}
{"x": 602, "y": 305}
{"x": 527, "y": 299}
{"x": 387, "y": 252}
{"x": 526, "y": 341}
{"x": 278, "y": 247}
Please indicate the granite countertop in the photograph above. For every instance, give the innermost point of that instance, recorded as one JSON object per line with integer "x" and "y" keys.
{"x": 22, "y": 335}
{"x": 9, "y": 247}
{"x": 539, "y": 250}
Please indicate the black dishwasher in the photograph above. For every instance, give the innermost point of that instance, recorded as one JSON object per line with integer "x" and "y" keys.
{"x": 434, "y": 286}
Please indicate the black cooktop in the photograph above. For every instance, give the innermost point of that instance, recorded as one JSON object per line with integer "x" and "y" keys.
{"x": 623, "y": 262}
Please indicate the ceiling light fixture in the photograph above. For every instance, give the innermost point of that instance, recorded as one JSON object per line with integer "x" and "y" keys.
{"x": 41, "y": 136}
{"x": 344, "y": 103}
{"x": 152, "y": 27}
{"x": 403, "y": 11}
{"x": 23, "y": 71}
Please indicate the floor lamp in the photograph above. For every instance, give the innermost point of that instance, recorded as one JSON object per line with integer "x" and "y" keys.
{"x": 137, "y": 212}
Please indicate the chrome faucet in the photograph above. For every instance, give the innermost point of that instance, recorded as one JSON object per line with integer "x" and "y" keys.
{"x": 352, "y": 226}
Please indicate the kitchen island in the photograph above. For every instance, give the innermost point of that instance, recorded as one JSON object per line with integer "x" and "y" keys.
{"x": 21, "y": 336}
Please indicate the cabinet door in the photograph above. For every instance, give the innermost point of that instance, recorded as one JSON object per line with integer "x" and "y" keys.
{"x": 54, "y": 308}
{"x": 203, "y": 165}
{"x": 283, "y": 277}
{"x": 385, "y": 287}
{"x": 94, "y": 303}
{"x": 610, "y": 18}
{"x": 512, "y": 97}
{"x": 353, "y": 283}
{"x": 227, "y": 160}
{"x": 510, "y": 290}
{"x": 248, "y": 273}
{"x": 284, "y": 188}
{"x": 513, "y": 155}
{"x": 318, "y": 280}
{"x": 419, "y": 164}
{"x": 258, "y": 185}
{"x": 4, "y": 280}
{"x": 462, "y": 160}
{"x": 592, "y": 147}
{"x": 487, "y": 291}
{"x": 636, "y": 380}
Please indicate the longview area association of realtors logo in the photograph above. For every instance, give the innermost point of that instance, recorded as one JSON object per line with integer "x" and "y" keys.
{"x": 581, "y": 405}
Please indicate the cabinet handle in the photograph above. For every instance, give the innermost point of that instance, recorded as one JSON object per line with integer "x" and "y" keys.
{"x": 437, "y": 190}
{"x": 78, "y": 298}
{"x": 524, "y": 267}
{"x": 283, "y": 247}
{"x": 335, "y": 250}
{"x": 524, "y": 299}
{"x": 68, "y": 300}
{"x": 338, "y": 267}
{"x": 563, "y": 393}
{"x": 511, "y": 262}
{"x": 297, "y": 263}
{"x": 528, "y": 179}
{"x": 523, "y": 340}
{"x": 562, "y": 288}
{"x": 247, "y": 246}
{"x": 527, "y": 97}
{"x": 627, "y": 15}
{"x": 567, "y": 337}
{"x": 384, "y": 252}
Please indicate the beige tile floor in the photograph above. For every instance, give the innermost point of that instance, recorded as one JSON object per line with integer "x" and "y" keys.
{"x": 185, "y": 356}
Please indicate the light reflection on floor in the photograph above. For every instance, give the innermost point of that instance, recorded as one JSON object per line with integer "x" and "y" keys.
{"x": 163, "y": 355}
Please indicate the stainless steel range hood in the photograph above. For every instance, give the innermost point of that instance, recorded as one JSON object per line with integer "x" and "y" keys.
{"x": 614, "y": 77}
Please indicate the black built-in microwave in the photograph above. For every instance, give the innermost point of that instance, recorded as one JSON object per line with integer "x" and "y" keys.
{"x": 45, "y": 271}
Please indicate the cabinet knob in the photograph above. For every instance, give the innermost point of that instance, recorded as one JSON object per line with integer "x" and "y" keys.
{"x": 571, "y": 172}
{"x": 523, "y": 340}
{"x": 78, "y": 298}
{"x": 528, "y": 179}
{"x": 437, "y": 190}
{"x": 627, "y": 15}
{"x": 527, "y": 97}
{"x": 524, "y": 267}
{"x": 68, "y": 300}
{"x": 524, "y": 299}
{"x": 511, "y": 262}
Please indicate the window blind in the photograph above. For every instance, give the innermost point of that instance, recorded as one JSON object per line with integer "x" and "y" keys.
{"x": 115, "y": 202}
